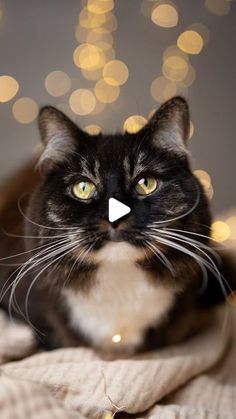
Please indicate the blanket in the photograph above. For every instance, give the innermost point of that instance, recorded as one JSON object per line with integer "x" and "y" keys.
{"x": 196, "y": 379}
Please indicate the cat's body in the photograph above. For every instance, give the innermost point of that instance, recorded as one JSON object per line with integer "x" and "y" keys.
{"x": 132, "y": 284}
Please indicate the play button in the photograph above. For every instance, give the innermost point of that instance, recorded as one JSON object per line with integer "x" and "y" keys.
{"x": 116, "y": 210}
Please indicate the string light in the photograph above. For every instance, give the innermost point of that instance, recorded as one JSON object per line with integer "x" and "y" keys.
{"x": 105, "y": 92}
{"x": 100, "y": 7}
{"x": 134, "y": 123}
{"x": 175, "y": 68}
{"x": 25, "y": 110}
{"x": 8, "y": 88}
{"x": 165, "y": 15}
{"x": 190, "y": 42}
{"x": 89, "y": 57}
{"x": 115, "y": 73}
{"x": 116, "y": 338}
{"x": 163, "y": 89}
{"x": 57, "y": 83}
{"x": 220, "y": 231}
{"x": 82, "y": 101}
{"x": 93, "y": 129}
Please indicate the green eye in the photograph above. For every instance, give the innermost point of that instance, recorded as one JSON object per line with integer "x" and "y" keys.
{"x": 146, "y": 185}
{"x": 84, "y": 189}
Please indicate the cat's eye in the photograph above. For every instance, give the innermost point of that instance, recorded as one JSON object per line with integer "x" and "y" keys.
{"x": 84, "y": 189}
{"x": 146, "y": 185}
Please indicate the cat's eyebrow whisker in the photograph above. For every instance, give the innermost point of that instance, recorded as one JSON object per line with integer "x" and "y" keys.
{"x": 160, "y": 256}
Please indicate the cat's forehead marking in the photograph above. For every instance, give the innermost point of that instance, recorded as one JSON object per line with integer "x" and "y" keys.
{"x": 126, "y": 164}
{"x": 139, "y": 166}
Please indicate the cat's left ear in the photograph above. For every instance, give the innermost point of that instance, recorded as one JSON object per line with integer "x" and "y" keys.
{"x": 59, "y": 136}
{"x": 169, "y": 126}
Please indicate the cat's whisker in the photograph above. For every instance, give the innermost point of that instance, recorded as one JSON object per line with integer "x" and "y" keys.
{"x": 45, "y": 248}
{"x": 209, "y": 265}
{"x": 160, "y": 256}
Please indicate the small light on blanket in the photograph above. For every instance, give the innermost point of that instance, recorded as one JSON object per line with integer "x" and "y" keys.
{"x": 108, "y": 415}
{"x": 116, "y": 338}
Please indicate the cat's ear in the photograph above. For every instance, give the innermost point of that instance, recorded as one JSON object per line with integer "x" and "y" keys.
{"x": 59, "y": 136}
{"x": 169, "y": 126}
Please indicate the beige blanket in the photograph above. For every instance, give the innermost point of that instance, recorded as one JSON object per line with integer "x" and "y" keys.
{"x": 194, "y": 380}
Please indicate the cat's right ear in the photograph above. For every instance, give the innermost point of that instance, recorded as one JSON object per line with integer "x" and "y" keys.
{"x": 59, "y": 136}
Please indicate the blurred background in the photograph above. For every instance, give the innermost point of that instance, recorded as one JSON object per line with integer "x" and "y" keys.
{"x": 109, "y": 64}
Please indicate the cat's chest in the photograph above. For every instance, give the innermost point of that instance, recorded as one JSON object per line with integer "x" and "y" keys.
{"x": 121, "y": 304}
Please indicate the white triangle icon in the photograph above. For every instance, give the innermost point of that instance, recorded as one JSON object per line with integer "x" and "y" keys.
{"x": 116, "y": 209}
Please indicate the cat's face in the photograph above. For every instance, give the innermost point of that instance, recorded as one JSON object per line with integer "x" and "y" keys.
{"x": 148, "y": 171}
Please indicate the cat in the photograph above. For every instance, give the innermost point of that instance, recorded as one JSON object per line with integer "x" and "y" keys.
{"x": 140, "y": 282}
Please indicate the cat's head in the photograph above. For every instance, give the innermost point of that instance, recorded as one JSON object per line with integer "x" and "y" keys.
{"x": 149, "y": 171}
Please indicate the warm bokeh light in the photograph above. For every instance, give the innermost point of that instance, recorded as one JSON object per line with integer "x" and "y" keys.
{"x": 175, "y": 68}
{"x": 57, "y": 83}
{"x": 100, "y": 6}
{"x": 203, "y": 177}
{"x": 111, "y": 22}
{"x": 190, "y": 76}
{"x": 99, "y": 108}
{"x": 90, "y": 20}
{"x": 134, "y": 123}
{"x": 101, "y": 35}
{"x": 218, "y": 7}
{"x": 82, "y": 101}
{"x": 190, "y": 42}
{"x": 165, "y": 15}
{"x": 89, "y": 57}
{"x": 191, "y": 130}
{"x": 163, "y": 89}
{"x": 231, "y": 221}
{"x": 116, "y": 338}
{"x": 231, "y": 299}
{"x": 205, "y": 180}
{"x": 115, "y": 73}
{"x": 202, "y": 30}
{"x": 174, "y": 51}
{"x": 92, "y": 74}
{"x": 105, "y": 92}
{"x": 8, "y": 88}
{"x": 93, "y": 129}
{"x": 25, "y": 110}
{"x": 220, "y": 231}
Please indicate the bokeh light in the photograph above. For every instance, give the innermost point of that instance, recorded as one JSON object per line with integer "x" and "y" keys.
{"x": 191, "y": 131}
{"x": 190, "y": 42}
{"x": 202, "y": 30}
{"x": 175, "y": 68}
{"x": 115, "y": 73}
{"x": 25, "y": 110}
{"x": 105, "y": 92}
{"x": 93, "y": 129}
{"x": 82, "y": 101}
{"x": 57, "y": 83}
{"x": 163, "y": 89}
{"x": 231, "y": 298}
{"x": 89, "y": 57}
{"x": 218, "y": 7}
{"x": 100, "y": 6}
{"x": 205, "y": 180}
{"x": 231, "y": 221}
{"x": 8, "y": 88}
{"x": 190, "y": 76}
{"x": 134, "y": 123}
{"x": 90, "y": 20}
{"x": 165, "y": 15}
{"x": 220, "y": 231}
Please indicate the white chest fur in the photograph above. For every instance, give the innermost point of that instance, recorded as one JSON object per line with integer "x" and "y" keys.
{"x": 123, "y": 300}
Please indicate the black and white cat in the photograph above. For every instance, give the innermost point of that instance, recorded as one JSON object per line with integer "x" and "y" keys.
{"x": 139, "y": 282}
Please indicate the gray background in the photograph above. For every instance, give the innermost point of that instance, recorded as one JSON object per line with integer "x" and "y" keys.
{"x": 37, "y": 37}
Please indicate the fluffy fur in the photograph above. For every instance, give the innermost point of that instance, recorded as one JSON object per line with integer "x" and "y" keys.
{"x": 81, "y": 279}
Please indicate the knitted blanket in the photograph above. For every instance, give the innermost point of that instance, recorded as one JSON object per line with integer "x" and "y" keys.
{"x": 196, "y": 379}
